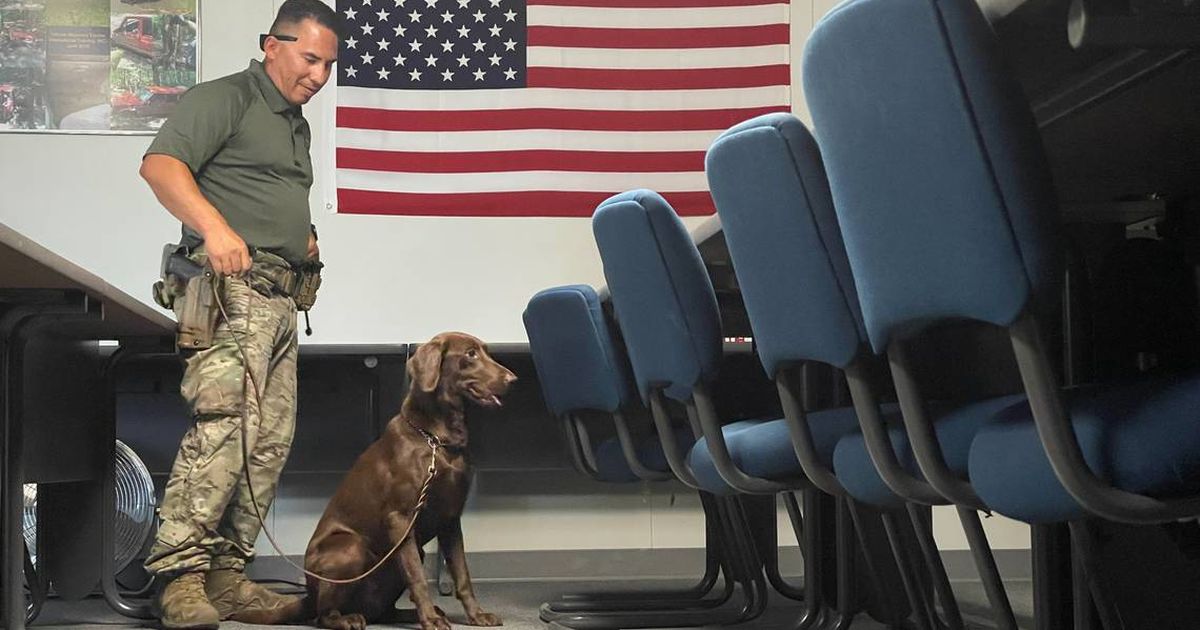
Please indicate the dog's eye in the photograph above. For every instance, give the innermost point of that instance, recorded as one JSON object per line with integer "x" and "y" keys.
{"x": 472, "y": 354}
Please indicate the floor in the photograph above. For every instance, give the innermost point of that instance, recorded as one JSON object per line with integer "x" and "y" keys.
{"x": 517, "y": 604}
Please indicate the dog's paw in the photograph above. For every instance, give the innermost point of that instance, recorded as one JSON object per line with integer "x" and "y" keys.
{"x": 484, "y": 619}
{"x": 337, "y": 621}
{"x": 436, "y": 623}
{"x": 406, "y": 615}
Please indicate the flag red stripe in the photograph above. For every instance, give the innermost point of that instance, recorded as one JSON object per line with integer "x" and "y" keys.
{"x": 529, "y": 160}
{"x": 574, "y": 116}
{"x": 713, "y": 37}
{"x": 652, "y": 4}
{"x": 688, "y": 79}
{"x": 544, "y": 118}
{"x": 534, "y": 203}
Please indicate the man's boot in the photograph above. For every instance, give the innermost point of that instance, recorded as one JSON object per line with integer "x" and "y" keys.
{"x": 183, "y": 604}
{"x": 239, "y": 598}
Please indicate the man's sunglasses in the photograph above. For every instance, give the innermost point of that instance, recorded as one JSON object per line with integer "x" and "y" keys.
{"x": 262, "y": 39}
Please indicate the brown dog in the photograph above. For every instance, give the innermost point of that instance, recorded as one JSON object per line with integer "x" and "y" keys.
{"x": 374, "y": 504}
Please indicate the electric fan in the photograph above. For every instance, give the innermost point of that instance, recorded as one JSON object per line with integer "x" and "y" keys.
{"x": 135, "y": 508}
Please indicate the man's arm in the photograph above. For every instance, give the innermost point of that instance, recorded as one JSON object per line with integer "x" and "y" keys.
{"x": 173, "y": 184}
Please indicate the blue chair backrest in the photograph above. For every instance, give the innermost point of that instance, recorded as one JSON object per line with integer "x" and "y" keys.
{"x": 938, "y": 175}
{"x": 770, "y": 189}
{"x": 578, "y": 363}
{"x": 661, "y": 293}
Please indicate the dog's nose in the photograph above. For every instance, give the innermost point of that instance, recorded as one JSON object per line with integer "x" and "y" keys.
{"x": 510, "y": 378}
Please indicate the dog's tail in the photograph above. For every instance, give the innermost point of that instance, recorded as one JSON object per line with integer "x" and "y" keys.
{"x": 296, "y": 610}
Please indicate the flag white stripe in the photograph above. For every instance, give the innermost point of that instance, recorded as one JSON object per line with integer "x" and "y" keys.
{"x": 553, "y": 139}
{"x": 637, "y": 18}
{"x": 667, "y": 58}
{"x": 598, "y": 103}
{"x": 514, "y": 181}
{"x": 630, "y": 100}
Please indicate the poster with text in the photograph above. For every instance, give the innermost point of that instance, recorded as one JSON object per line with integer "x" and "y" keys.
{"x": 94, "y": 65}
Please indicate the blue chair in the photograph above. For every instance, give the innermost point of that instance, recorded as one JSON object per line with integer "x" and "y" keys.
{"x": 582, "y": 371}
{"x": 771, "y": 192}
{"x": 948, "y": 212}
{"x": 666, "y": 309}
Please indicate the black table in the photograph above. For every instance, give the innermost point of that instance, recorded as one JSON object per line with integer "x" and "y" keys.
{"x": 59, "y": 419}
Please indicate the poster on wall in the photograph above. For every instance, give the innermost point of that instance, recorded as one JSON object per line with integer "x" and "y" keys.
{"x": 94, "y": 65}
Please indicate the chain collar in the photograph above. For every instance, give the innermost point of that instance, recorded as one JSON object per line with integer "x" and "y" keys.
{"x": 433, "y": 440}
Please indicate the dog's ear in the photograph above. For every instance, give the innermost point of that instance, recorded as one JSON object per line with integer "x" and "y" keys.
{"x": 425, "y": 367}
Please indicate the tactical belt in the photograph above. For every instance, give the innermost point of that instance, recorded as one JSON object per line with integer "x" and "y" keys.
{"x": 185, "y": 274}
{"x": 271, "y": 274}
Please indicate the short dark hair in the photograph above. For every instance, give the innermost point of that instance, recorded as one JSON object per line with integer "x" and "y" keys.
{"x": 296, "y": 11}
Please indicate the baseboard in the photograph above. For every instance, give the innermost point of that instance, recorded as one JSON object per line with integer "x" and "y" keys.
{"x": 614, "y": 564}
{"x": 1013, "y": 564}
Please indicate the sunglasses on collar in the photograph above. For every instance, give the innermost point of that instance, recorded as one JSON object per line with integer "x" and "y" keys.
{"x": 262, "y": 39}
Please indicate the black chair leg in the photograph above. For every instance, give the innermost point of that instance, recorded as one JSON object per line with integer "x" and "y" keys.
{"x": 985, "y": 565}
{"x": 12, "y": 540}
{"x": 1083, "y": 610}
{"x": 765, "y": 532}
{"x": 794, "y": 515}
{"x": 696, "y": 597}
{"x": 841, "y": 617}
{"x": 908, "y": 576}
{"x": 1083, "y": 544}
{"x": 37, "y": 589}
{"x": 751, "y": 574}
{"x": 704, "y": 586}
{"x": 143, "y": 609}
{"x": 810, "y": 537}
{"x": 890, "y": 616}
{"x": 1050, "y": 546}
{"x": 937, "y": 570}
{"x": 740, "y": 563}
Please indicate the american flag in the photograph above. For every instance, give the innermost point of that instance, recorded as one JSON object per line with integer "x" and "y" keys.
{"x": 545, "y": 107}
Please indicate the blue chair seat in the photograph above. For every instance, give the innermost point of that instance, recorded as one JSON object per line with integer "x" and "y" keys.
{"x": 1142, "y": 437}
{"x": 763, "y": 448}
{"x": 955, "y": 430}
{"x": 611, "y": 465}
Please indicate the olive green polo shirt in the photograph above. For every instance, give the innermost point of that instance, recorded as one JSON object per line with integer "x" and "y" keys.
{"x": 247, "y": 147}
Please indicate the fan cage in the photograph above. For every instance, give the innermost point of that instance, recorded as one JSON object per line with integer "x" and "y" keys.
{"x": 135, "y": 502}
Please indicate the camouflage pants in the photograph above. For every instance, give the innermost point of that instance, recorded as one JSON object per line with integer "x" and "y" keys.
{"x": 208, "y": 520}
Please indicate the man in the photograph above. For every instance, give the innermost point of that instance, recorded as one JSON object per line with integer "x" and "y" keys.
{"x": 232, "y": 164}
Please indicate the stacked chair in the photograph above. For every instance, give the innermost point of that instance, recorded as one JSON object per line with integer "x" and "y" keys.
{"x": 583, "y": 371}
{"x": 948, "y": 212}
{"x": 924, "y": 200}
{"x": 768, "y": 181}
{"x": 666, "y": 309}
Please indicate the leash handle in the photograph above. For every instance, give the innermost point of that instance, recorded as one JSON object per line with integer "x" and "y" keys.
{"x": 422, "y": 498}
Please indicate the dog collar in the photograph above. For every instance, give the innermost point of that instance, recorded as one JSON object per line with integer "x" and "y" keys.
{"x": 433, "y": 440}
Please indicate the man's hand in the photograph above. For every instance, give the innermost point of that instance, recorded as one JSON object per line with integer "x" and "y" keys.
{"x": 227, "y": 252}
{"x": 314, "y": 252}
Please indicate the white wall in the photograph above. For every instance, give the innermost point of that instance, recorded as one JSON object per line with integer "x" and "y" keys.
{"x": 388, "y": 279}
